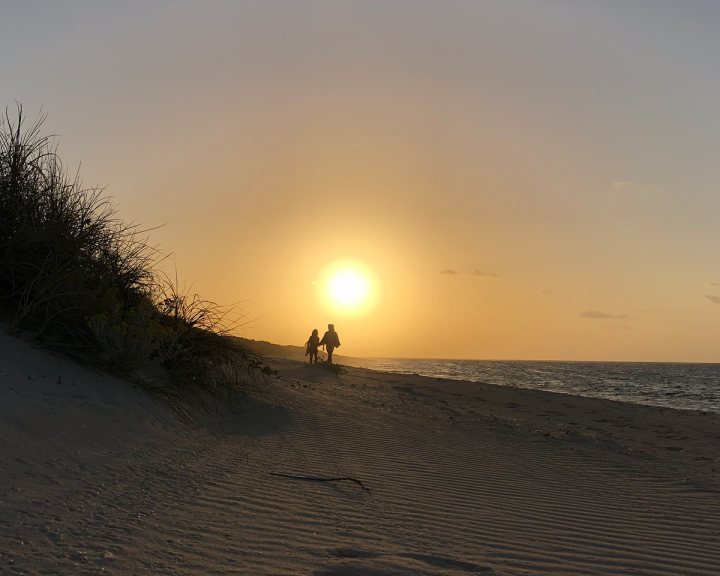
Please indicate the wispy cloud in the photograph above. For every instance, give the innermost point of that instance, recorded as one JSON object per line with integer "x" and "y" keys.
{"x": 713, "y": 283}
{"x": 597, "y": 315}
{"x": 713, "y": 299}
{"x": 474, "y": 272}
{"x": 630, "y": 187}
{"x": 546, "y": 291}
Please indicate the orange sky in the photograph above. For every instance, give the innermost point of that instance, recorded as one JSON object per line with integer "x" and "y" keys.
{"x": 559, "y": 157}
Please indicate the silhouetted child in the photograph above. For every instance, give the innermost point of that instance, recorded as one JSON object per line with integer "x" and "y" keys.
{"x": 331, "y": 340}
{"x": 311, "y": 346}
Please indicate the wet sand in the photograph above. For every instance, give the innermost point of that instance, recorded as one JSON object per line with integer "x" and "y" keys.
{"x": 463, "y": 478}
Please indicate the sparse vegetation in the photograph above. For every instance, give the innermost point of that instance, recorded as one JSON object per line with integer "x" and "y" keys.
{"x": 336, "y": 369}
{"x": 75, "y": 277}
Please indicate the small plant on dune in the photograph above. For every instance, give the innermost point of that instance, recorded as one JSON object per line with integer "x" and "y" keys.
{"x": 207, "y": 356}
{"x": 136, "y": 337}
{"x": 333, "y": 368}
{"x": 76, "y": 277}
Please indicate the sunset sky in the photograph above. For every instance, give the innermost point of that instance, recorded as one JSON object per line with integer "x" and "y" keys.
{"x": 513, "y": 179}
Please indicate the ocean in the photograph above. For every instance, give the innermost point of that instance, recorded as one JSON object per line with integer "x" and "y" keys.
{"x": 686, "y": 386}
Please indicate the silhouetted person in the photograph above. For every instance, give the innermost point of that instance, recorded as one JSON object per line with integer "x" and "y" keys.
{"x": 311, "y": 346}
{"x": 330, "y": 341}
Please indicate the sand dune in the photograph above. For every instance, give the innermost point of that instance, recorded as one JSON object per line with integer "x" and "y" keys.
{"x": 463, "y": 478}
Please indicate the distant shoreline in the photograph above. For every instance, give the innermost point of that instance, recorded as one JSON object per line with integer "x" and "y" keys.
{"x": 274, "y": 350}
{"x": 667, "y": 384}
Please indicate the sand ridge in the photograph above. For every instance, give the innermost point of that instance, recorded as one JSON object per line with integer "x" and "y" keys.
{"x": 463, "y": 478}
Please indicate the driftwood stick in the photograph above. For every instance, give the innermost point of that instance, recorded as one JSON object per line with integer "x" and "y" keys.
{"x": 313, "y": 478}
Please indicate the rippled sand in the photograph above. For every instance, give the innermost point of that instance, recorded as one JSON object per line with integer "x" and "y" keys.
{"x": 463, "y": 478}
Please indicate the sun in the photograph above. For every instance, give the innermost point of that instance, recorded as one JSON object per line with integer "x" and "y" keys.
{"x": 348, "y": 288}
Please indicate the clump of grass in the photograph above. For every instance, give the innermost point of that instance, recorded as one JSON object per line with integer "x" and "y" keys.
{"x": 336, "y": 369}
{"x": 76, "y": 277}
{"x": 61, "y": 246}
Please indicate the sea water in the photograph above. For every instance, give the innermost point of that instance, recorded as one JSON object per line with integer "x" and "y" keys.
{"x": 687, "y": 386}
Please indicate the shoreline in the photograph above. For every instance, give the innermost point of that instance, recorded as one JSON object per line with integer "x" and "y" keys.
{"x": 636, "y": 399}
{"x": 558, "y": 414}
{"x": 296, "y": 353}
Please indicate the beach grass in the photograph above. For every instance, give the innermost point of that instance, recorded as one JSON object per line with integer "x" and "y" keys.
{"x": 77, "y": 278}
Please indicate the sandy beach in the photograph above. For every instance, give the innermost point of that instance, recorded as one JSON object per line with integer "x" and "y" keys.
{"x": 495, "y": 224}
{"x": 461, "y": 478}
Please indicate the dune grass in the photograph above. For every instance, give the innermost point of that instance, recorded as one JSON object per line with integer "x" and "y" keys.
{"x": 75, "y": 277}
